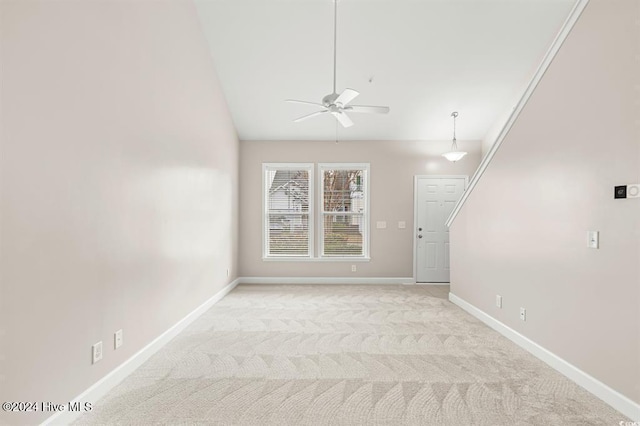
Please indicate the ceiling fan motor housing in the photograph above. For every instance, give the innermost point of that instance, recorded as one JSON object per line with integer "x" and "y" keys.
{"x": 329, "y": 99}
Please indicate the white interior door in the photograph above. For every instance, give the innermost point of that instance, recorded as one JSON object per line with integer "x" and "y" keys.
{"x": 435, "y": 199}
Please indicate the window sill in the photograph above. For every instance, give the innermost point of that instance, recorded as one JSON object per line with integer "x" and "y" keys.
{"x": 316, "y": 259}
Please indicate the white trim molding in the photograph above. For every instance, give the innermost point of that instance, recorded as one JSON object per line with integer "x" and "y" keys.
{"x": 612, "y": 397}
{"x": 366, "y": 228}
{"x": 562, "y": 35}
{"x": 431, "y": 284}
{"x": 268, "y": 167}
{"x": 326, "y": 280}
{"x": 416, "y": 178}
{"x": 317, "y": 259}
{"x": 108, "y": 382}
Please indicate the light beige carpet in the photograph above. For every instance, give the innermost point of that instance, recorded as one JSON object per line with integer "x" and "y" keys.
{"x": 345, "y": 355}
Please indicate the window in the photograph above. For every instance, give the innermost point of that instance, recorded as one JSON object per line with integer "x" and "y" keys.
{"x": 344, "y": 207}
{"x": 288, "y": 206}
{"x": 342, "y": 215}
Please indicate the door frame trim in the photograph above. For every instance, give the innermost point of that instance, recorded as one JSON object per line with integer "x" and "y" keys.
{"x": 415, "y": 212}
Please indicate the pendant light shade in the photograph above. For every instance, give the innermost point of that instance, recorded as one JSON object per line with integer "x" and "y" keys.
{"x": 454, "y": 155}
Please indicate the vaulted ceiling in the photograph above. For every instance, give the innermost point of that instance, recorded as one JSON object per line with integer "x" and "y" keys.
{"x": 422, "y": 58}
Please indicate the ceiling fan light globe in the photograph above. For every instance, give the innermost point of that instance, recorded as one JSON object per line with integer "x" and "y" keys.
{"x": 454, "y": 156}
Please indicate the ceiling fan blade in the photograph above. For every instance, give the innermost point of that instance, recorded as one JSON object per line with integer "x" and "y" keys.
{"x": 295, "y": 101}
{"x": 343, "y": 119}
{"x": 347, "y": 96}
{"x": 313, "y": 114}
{"x": 367, "y": 109}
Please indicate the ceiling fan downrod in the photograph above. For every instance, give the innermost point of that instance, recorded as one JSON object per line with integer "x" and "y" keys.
{"x": 334, "y": 103}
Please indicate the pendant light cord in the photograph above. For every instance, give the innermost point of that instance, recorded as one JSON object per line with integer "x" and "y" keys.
{"x": 335, "y": 37}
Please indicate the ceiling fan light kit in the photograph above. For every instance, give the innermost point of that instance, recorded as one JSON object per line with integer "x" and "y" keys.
{"x": 338, "y": 104}
{"x": 454, "y": 155}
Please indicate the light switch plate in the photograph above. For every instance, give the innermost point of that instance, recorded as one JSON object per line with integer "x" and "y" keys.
{"x": 402, "y": 224}
{"x": 117, "y": 339}
{"x": 381, "y": 224}
{"x": 593, "y": 239}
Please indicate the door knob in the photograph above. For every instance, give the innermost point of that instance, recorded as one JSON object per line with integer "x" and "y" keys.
{"x": 419, "y": 229}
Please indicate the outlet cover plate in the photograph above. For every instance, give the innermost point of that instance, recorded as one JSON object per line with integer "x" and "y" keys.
{"x": 96, "y": 352}
{"x": 117, "y": 339}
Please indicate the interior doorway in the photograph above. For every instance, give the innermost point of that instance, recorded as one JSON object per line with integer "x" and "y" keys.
{"x": 434, "y": 199}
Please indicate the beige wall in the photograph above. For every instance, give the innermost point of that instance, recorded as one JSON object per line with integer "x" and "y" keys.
{"x": 494, "y": 131}
{"x": 523, "y": 231}
{"x": 118, "y": 191}
{"x": 393, "y": 166}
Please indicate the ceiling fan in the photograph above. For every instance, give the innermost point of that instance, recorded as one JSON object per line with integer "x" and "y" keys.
{"x": 338, "y": 104}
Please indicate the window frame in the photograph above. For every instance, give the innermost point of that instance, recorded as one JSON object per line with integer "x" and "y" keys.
{"x": 310, "y": 168}
{"x": 365, "y": 167}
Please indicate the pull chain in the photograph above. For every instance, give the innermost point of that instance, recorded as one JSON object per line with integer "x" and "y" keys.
{"x": 455, "y": 143}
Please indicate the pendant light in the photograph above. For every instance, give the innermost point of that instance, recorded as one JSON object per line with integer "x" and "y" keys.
{"x": 454, "y": 155}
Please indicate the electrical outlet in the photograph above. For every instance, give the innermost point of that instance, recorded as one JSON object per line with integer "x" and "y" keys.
{"x": 96, "y": 352}
{"x": 353, "y": 268}
{"x": 117, "y": 339}
{"x": 499, "y": 301}
{"x": 523, "y": 314}
{"x": 402, "y": 224}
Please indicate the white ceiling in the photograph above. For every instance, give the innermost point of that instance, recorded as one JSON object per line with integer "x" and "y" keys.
{"x": 422, "y": 58}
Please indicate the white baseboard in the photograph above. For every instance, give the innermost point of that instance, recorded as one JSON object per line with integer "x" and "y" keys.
{"x": 615, "y": 399}
{"x": 325, "y": 280}
{"x": 428, "y": 284}
{"x": 108, "y": 382}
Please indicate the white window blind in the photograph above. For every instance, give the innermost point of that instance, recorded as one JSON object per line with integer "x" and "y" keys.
{"x": 344, "y": 223}
{"x": 288, "y": 208}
